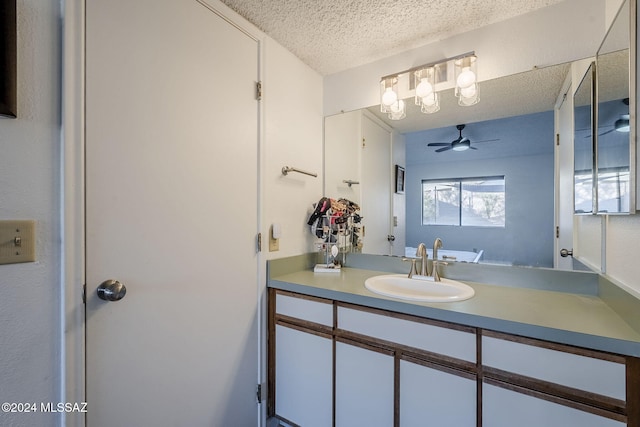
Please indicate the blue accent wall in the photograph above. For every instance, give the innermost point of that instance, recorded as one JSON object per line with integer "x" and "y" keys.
{"x": 523, "y": 154}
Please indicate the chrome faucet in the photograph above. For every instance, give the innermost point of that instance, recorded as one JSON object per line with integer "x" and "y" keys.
{"x": 422, "y": 253}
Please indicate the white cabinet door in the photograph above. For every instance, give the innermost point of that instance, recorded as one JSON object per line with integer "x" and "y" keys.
{"x": 364, "y": 387}
{"x": 434, "y": 397}
{"x": 506, "y": 408}
{"x": 304, "y": 377}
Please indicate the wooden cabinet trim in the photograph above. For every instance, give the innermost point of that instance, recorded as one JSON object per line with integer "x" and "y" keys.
{"x": 304, "y": 326}
{"x": 556, "y": 399}
{"x": 415, "y": 353}
{"x": 548, "y": 388}
{"x": 633, "y": 391}
{"x": 302, "y": 296}
{"x": 580, "y": 351}
{"x": 271, "y": 352}
{"x": 408, "y": 317}
{"x": 464, "y": 373}
{"x": 365, "y": 345}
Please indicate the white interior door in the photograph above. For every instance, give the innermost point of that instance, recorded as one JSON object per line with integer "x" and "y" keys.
{"x": 376, "y": 188}
{"x": 564, "y": 180}
{"x": 171, "y": 193}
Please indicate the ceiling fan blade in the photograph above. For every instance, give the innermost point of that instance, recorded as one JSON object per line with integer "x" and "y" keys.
{"x": 472, "y": 147}
{"x": 487, "y": 140}
{"x": 440, "y": 150}
{"x": 438, "y": 144}
{"x": 604, "y": 133}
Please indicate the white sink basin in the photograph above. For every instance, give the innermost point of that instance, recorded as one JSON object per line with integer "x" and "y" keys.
{"x": 419, "y": 288}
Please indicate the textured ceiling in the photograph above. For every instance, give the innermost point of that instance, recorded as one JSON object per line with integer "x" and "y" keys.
{"x": 335, "y": 35}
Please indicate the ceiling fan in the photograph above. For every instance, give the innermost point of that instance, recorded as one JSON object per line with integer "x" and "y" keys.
{"x": 622, "y": 124}
{"x": 459, "y": 144}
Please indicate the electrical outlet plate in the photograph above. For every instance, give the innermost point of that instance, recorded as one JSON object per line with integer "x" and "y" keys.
{"x": 17, "y": 241}
{"x": 274, "y": 244}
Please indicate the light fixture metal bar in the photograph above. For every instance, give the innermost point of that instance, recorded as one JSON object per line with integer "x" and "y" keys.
{"x": 430, "y": 64}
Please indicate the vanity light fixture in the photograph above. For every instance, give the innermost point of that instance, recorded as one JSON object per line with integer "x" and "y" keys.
{"x": 388, "y": 93}
{"x": 466, "y": 75}
{"x": 426, "y": 96}
{"x": 398, "y": 110}
{"x": 459, "y": 72}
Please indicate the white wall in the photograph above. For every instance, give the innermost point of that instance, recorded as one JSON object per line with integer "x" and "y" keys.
{"x": 293, "y": 137}
{"x": 30, "y": 294}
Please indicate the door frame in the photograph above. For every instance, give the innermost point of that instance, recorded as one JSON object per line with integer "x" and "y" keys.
{"x": 565, "y": 93}
{"x": 72, "y": 383}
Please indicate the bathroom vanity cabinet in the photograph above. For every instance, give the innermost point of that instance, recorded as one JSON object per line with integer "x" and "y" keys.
{"x": 339, "y": 364}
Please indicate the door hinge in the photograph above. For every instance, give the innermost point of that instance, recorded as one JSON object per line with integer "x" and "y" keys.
{"x": 259, "y": 393}
{"x": 259, "y": 242}
{"x": 259, "y": 91}
{"x": 557, "y": 232}
{"x": 364, "y": 142}
{"x": 84, "y": 294}
{"x": 557, "y": 139}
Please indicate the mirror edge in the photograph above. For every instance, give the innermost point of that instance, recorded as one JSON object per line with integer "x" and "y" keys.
{"x": 633, "y": 97}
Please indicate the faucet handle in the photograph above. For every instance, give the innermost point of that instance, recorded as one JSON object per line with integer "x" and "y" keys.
{"x": 435, "y": 264}
{"x": 413, "y": 270}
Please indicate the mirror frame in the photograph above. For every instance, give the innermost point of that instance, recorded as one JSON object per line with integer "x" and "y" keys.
{"x": 587, "y": 83}
{"x": 634, "y": 186}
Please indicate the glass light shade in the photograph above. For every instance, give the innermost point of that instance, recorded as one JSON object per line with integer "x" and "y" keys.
{"x": 430, "y": 103}
{"x": 469, "y": 91}
{"x": 466, "y": 78}
{"x": 426, "y": 96}
{"x": 466, "y": 74}
{"x": 469, "y": 96}
{"x": 397, "y": 111}
{"x": 424, "y": 88}
{"x": 388, "y": 93}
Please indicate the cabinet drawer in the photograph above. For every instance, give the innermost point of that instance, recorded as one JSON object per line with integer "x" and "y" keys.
{"x": 583, "y": 372}
{"x": 312, "y": 310}
{"x": 506, "y": 408}
{"x": 454, "y": 343}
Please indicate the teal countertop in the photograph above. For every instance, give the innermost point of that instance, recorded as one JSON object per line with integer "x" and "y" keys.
{"x": 528, "y": 306}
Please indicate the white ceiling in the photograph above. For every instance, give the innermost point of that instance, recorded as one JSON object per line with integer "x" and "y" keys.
{"x": 335, "y": 35}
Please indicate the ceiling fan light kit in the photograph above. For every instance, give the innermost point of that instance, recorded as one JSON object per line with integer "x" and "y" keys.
{"x": 459, "y": 72}
{"x": 461, "y": 143}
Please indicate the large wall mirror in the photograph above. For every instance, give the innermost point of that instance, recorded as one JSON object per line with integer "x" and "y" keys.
{"x": 615, "y": 137}
{"x": 514, "y": 143}
{"x": 512, "y": 131}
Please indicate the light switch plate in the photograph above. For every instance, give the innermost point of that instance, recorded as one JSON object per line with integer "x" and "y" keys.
{"x": 17, "y": 241}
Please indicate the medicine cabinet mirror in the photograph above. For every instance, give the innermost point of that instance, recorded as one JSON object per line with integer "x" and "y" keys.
{"x": 615, "y": 137}
{"x": 584, "y": 144}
